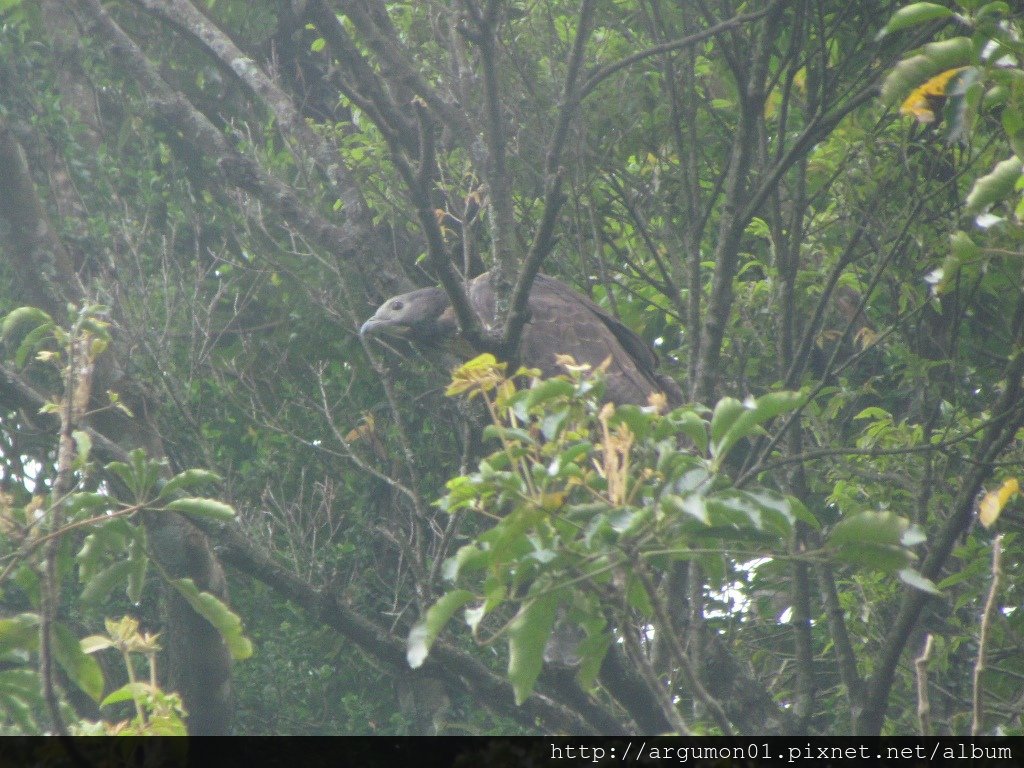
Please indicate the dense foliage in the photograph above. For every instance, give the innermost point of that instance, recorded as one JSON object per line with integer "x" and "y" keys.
{"x": 812, "y": 210}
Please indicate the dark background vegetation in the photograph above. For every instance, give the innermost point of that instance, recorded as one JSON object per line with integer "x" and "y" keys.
{"x": 242, "y": 183}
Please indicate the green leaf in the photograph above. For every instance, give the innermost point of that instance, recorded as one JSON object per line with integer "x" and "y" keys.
{"x": 425, "y": 631}
{"x": 82, "y": 668}
{"x": 918, "y": 581}
{"x": 187, "y": 480}
{"x": 913, "y": 536}
{"x": 128, "y": 692}
{"x": 913, "y": 14}
{"x": 994, "y": 186}
{"x": 874, "y": 412}
{"x": 726, "y": 412}
{"x": 31, "y": 342}
{"x": 629, "y": 521}
{"x": 635, "y": 418}
{"x": 548, "y": 389}
{"x": 567, "y": 457}
{"x": 637, "y": 597}
{"x": 592, "y": 650}
{"x": 83, "y": 444}
{"x": 998, "y": 8}
{"x": 691, "y": 504}
{"x": 89, "y": 502}
{"x": 754, "y": 413}
{"x": 219, "y": 615}
{"x": 872, "y": 539}
{"x": 934, "y": 58}
{"x": 23, "y": 316}
{"x": 112, "y": 536}
{"x": 139, "y": 562}
{"x": 103, "y": 583}
{"x": 19, "y": 697}
{"x": 511, "y": 434}
{"x": 527, "y": 636}
{"x": 777, "y": 510}
{"x": 736, "y": 509}
{"x": 801, "y": 513}
{"x": 552, "y": 423}
{"x": 885, "y": 558}
{"x": 963, "y": 247}
{"x": 211, "y": 508}
{"x": 963, "y": 251}
{"x": 874, "y": 528}
{"x": 469, "y": 558}
{"x": 23, "y": 681}
{"x": 94, "y": 643}
{"x": 19, "y": 632}
{"x": 689, "y": 424}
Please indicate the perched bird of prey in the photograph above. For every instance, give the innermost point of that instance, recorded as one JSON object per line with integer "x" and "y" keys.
{"x": 561, "y": 322}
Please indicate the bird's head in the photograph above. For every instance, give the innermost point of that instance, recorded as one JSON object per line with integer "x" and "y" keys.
{"x": 422, "y": 316}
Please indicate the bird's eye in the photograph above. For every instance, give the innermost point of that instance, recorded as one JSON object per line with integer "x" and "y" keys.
{"x": 396, "y": 305}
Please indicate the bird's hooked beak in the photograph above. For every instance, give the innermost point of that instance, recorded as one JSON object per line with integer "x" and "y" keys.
{"x": 367, "y": 328}
{"x": 383, "y": 326}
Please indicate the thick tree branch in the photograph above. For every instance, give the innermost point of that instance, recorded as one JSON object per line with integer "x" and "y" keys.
{"x": 395, "y": 65}
{"x": 238, "y": 169}
{"x": 293, "y": 126}
{"x": 371, "y": 94}
{"x": 734, "y": 215}
{"x": 544, "y": 238}
{"x": 445, "y": 662}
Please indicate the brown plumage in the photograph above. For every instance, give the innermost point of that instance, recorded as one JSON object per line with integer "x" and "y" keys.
{"x": 561, "y": 322}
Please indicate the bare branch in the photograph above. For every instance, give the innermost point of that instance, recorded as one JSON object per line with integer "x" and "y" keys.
{"x": 183, "y": 15}
{"x": 553, "y": 175}
{"x": 457, "y": 669}
{"x": 238, "y": 169}
{"x": 684, "y": 42}
{"x": 924, "y": 707}
{"x": 396, "y": 67}
{"x": 1008, "y": 418}
{"x": 986, "y": 627}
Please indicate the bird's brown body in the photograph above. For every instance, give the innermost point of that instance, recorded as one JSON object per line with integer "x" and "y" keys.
{"x": 561, "y": 322}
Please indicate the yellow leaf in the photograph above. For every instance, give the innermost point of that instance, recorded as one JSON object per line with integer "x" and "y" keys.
{"x": 481, "y": 374}
{"x": 658, "y": 402}
{"x": 994, "y": 501}
{"x": 800, "y": 79}
{"x": 866, "y": 337}
{"x": 927, "y": 98}
{"x": 549, "y": 502}
{"x": 364, "y": 430}
{"x": 569, "y": 363}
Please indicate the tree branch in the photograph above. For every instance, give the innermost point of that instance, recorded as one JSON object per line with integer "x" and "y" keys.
{"x": 684, "y": 42}
{"x": 977, "y": 714}
{"x": 293, "y": 126}
{"x": 457, "y": 669}
{"x": 553, "y": 175}
{"x": 1008, "y": 417}
{"x": 238, "y": 169}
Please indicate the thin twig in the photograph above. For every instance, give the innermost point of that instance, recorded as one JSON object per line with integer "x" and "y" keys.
{"x": 986, "y": 625}
{"x": 673, "y": 45}
{"x": 680, "y": 657}
{"x": 924, "y": 707}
